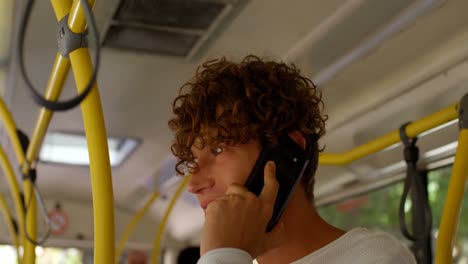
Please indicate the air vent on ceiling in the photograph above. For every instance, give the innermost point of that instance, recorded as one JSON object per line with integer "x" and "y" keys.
{"x": 150, "y": 40}
{"x": 168, "y": 27}
{"x": 181, "y": 14}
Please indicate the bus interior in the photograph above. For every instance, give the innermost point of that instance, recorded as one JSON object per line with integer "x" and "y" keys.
{"x": 378, "y": 64}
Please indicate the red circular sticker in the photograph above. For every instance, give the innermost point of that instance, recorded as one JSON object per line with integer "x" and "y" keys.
{"x": 58, "y": 222}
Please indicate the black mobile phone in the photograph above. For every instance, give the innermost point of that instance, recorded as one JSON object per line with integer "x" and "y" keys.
{"x": 291, "y": 161}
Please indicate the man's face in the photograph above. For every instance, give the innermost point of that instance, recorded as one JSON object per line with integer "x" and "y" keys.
{"x": 220, "y": 166}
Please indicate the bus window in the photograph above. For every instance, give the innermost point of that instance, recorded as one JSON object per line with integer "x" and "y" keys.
{"x": 45, "y": 255}
{"x": 438, "y": 182}
{"x": 378, "y": 210}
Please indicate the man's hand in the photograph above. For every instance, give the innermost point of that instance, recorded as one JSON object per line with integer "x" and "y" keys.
{"x": 239, "y": 218}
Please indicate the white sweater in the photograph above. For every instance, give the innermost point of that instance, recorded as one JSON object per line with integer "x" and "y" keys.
{"x": 358, "y": 246}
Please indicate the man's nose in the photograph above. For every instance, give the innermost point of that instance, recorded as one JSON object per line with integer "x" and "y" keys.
{"x": 197, "y": 183}
{"x": 200, "y": 178}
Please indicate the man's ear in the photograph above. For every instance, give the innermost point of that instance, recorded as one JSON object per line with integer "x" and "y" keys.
{"x": 298, "y": 138}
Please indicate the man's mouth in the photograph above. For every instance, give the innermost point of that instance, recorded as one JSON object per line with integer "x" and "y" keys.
{"x": 204, "y": 205}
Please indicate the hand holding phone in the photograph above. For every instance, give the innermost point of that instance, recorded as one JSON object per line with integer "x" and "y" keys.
{"x": 291, "y": 161}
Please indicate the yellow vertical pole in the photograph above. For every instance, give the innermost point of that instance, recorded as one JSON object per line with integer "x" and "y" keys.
{"x": 53, "y": 90}
{"x": 7, "y": 118}
{"x": 29, "y": 256}
{"x": 93, "y": 119}
{"x": 15, "y": 193}
{"x": 61, "y": 8}
{"x": 10, "y": 127}
{"x": 8, "y": 221}
{"x": 162, "y": 226}
{"x": 54, "y": 87}
{"x": 8, "y": 170}
{"x": 131, "y": 226}
{"x": 453, "y": 201}
{"x": 101, "y": 179}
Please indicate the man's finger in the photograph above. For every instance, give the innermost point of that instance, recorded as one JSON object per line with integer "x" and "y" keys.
{"x": 270, "y": 187}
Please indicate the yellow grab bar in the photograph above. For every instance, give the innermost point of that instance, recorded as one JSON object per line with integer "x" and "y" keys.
{"x": 96, "y": 136}
{"x": 54, "y": 87}
{"x": 131, "y": 226}
{"x": 29, "y": 248}
{"x": 415, "y": 128}
{"x": 99, "y": 164}
{"x": 95, "y": 133}
{"x": 452, "y": 208}
{"x": 162, "y": 225}
{"x": 15, "y": 192}
{"x": 11, "y": 229}
{"x": 10, "y": 126}
{"x": 61, "y": 8}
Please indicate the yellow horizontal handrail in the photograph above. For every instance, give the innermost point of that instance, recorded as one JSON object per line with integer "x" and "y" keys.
{"x": 412, "y": 130}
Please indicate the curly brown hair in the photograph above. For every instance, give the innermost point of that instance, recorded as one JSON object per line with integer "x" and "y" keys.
{"x": 253, "y": 99}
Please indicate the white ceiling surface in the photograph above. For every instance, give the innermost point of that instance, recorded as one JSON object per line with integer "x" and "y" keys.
{"x": 137, "y": 89}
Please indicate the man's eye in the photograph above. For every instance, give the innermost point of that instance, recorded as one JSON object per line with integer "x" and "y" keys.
{"x": 217, "y": 150}
{"x": 190, "y": 166}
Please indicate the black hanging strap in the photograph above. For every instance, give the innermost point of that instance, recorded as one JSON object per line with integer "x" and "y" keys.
{"x": 414, "y": 184}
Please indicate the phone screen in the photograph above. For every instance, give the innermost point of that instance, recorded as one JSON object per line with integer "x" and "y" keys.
{"x": 291, "y": 161}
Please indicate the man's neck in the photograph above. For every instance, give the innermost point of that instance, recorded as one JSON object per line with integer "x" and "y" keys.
{"x": 305, "y": 232}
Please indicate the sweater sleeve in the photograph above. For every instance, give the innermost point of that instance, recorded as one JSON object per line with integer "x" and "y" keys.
{"x": 225, "y": 256}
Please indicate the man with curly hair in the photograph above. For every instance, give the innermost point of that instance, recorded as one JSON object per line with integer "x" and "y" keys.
{"x": 222, "y": 118}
